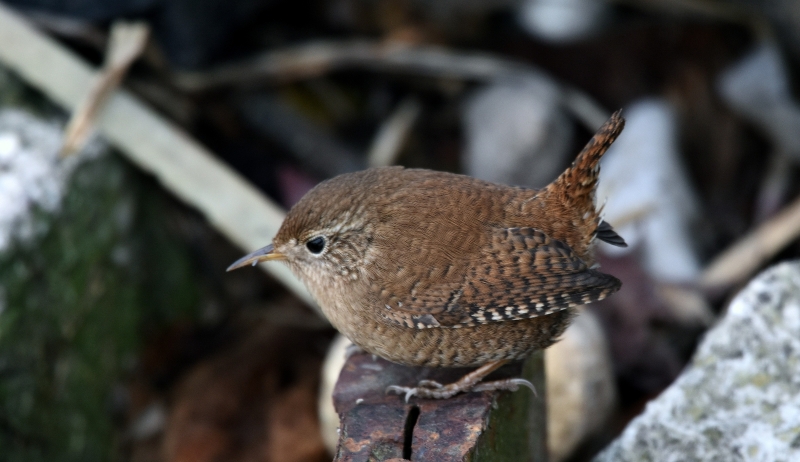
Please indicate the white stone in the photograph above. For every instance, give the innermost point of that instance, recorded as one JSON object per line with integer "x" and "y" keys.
{"x": 562, "y": 20}
{"x": 646, "y": 195}
{"x": 516, "y": 132}
{"x": 581, "y": 391}
{"x": 331, "y": 368}
{"x": 758, "y": 87}
{"x": 739, "y": 399}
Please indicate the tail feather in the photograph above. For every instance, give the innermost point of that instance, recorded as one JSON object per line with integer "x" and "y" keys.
{"x": 606, "y": 233}
{"x": 580, "y": 179}
{"x": 574, "y": 190}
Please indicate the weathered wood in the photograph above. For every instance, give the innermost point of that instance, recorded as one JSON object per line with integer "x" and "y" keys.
{"x": 484, "y": 426}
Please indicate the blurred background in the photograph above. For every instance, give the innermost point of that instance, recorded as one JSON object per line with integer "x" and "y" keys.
{"x": 121, "y": 336}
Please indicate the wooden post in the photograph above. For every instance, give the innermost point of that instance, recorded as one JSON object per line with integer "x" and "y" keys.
{"x": 485, "y": 426}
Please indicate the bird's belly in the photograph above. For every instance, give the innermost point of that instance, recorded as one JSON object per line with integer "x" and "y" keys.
{"x": 462, "y": 347}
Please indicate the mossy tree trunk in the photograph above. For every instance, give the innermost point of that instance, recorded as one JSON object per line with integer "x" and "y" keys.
{"x": 76, "y": 299}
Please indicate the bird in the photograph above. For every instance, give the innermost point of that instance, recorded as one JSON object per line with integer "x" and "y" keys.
{"x": 437, "y": 269}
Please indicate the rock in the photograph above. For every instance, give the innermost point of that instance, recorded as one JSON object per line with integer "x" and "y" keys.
{"x": 331, "y": 368}
{"x": 739, "y": 397}
{"x": 562, "y": 20}
{"x": 647, "y": 195}
{"x": 581, "y": 392}
{"x": 648, "y": 199}
{"x": 516, "y": 132}
{"x": 783, "y": 17}
{"x": 758, "y": 87}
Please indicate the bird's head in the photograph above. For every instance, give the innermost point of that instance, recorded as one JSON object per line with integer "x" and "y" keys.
{"x": 326, "y": 236}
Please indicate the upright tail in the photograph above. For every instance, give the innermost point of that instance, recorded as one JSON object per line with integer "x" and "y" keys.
{"x": 574, "y": 190}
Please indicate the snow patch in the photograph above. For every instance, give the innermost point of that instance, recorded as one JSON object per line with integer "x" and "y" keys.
{"x": 32, "y": 176}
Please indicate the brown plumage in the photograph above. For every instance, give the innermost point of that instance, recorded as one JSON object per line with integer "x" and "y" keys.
{"x": 437, "y": 269}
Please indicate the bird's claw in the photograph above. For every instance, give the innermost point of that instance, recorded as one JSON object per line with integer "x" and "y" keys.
{"x": 507, "y": 384}
{"x": 424, "y": 389}
{"x": 407, "y": 391}
{"x": 429, "y": 384}
{"x": 433, "y": 389}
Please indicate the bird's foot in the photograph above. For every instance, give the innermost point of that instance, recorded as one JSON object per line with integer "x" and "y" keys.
{"x": 470, "y": 382}
{"x": 506, "y": 384}
{"x": 434, "y": 390}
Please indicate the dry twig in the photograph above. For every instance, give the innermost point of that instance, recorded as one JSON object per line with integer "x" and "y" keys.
{"x": 750, "y": 252}
{"x": 393, "y": 133}
{"x": 125, "y": 45}
{"x": 318, "y": 58}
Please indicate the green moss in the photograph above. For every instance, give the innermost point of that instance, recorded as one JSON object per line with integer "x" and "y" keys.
{"x": 77, "y": 300}
{"x": 714, "y": 435}
{"x": 14, "y": 93}
{"x": 517, "y": 425}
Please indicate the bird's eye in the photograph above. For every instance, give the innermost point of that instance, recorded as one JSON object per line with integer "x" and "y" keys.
{"x": 316, "y": 245}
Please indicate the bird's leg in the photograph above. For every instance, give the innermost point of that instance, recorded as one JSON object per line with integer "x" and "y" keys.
{"x": 470, "y": 382}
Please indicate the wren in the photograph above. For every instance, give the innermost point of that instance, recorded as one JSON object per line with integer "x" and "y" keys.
{"x": 427, "y": 268}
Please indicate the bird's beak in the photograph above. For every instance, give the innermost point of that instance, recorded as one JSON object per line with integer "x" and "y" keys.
{"x": 264, "y": 254}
